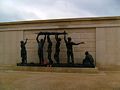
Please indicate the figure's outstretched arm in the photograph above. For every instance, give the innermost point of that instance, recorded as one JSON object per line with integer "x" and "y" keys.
{"x": 48, "y": 38}
{"x": 78, "y": 43}
{"x": 56, "y": 37}
{"x": 37, "y": 38}
{"x": 26, "y": 41}
{"x": 44, "y": 39}
{"x": 65, "y": 38}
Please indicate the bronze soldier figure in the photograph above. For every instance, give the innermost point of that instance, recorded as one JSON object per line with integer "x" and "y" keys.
{"x": 88, "y": 59}
{"x": 49, "y": 49}
{"x": 57, "y": 49}
{"x": 23, "y": 52}
{"x": 40, "y": 49}
{"x": 69, "y": 45}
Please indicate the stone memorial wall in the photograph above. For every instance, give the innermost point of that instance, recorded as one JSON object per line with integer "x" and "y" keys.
{"x": 101, "y": 37}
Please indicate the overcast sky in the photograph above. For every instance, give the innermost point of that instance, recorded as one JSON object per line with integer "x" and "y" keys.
{"x": 17, "y": 10}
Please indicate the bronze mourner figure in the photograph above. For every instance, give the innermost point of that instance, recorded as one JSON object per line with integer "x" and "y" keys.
{"x": 49, "y": 49}
{"x": 23, "y": 52}
{"x": 57, "y": 49}
{"x": 69, "y": 45}
{"x": 88, "y": 59}
{"x": 40, "y": 48}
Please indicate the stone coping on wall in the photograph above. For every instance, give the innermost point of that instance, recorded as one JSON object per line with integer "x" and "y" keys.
{"x": 61, "y": 20}
{"x": 71, "y": 23}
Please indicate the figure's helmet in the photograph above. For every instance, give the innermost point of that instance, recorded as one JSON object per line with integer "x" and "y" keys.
{"x": 59, "y": 39}
{"x": 69, "y": 38}
{"x": 41, "y": 40}
{"x": 21, "y": 42}
{"x": 86, "y": 53}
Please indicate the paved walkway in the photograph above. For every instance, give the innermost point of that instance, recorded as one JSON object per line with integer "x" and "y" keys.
{"x": 24, "y": 80}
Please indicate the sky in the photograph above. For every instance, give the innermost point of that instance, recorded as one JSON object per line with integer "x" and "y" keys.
{"x": 22, "y": 10}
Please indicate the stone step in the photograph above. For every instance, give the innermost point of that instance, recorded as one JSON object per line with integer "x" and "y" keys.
{"x": 51, "y": 69}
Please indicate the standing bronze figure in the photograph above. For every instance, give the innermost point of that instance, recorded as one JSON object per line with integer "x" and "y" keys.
{"x": 69, "y": 45}
{"x": 49, "y": 49}
{"x": 40, "y": 48}
{"x": 23, "y": 52}
{"x": 57, "y": 49}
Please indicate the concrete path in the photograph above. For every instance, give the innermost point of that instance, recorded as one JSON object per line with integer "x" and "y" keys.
{"x": 25, "y": 80}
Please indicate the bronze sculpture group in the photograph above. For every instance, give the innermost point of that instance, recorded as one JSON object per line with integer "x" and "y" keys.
{"x": 69, "y": 45}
